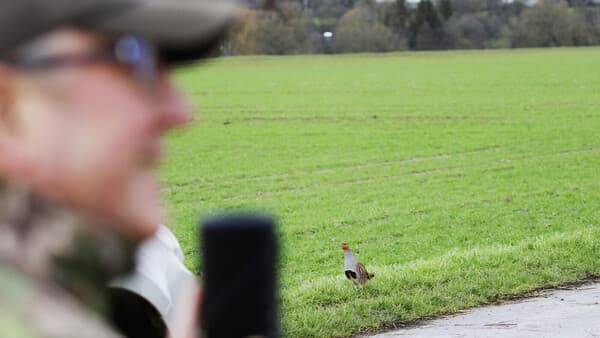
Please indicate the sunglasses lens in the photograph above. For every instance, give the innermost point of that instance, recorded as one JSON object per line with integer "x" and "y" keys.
{"x": 130, "y": 49}
{"x": 139, "y": 54}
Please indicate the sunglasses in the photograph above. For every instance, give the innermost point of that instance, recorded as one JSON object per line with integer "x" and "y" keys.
{"x": 135, "y": 52}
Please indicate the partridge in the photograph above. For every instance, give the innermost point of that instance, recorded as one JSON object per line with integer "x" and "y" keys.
{"x": 353, "y": 269}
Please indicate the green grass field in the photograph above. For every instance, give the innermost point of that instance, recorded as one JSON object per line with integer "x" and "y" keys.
{"x": 461, "y": 177}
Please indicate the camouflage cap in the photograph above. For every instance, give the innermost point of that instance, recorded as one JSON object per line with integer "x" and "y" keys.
{"x": 183, "y": 30}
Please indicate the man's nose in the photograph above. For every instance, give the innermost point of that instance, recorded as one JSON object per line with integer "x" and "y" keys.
{"x": 174, "y": 107}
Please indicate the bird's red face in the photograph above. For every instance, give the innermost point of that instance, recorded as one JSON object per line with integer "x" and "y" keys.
{"x": 345, "y": 246}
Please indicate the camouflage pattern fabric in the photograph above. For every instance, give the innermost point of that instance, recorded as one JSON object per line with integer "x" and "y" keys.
{"x": 54, "y": 268}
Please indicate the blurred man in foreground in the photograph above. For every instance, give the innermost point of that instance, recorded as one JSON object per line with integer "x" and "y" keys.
{"x": 84, "y": 98}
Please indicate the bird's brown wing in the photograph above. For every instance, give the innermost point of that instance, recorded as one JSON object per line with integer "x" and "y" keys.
{"x": 363, "y": 274}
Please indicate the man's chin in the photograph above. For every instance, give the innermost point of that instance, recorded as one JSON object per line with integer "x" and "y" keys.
{"x": 142, "y": 209}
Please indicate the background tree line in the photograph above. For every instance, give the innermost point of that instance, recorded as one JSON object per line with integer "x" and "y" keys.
{"x": 298, "y": 26}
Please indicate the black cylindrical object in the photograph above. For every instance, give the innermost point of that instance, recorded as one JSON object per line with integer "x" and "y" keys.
{"x": 240, "y": 277}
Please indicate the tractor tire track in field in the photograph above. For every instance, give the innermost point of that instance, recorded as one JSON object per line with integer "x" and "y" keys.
{"x": 413, "y": 212}
{"x": 300, "y": 173}
{"x": 495, "y": 165}
{"x": 372, "y": 117}
{"x": 379, "y": 108}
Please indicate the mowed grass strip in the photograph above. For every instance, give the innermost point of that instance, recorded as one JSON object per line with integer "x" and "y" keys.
{"x": 329, "y": 307}
{"x": 460, "y": 177}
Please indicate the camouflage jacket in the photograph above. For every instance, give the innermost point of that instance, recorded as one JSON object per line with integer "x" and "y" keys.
{"x": 54, "y": 267}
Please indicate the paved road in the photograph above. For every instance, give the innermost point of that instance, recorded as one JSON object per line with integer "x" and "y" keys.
{"x": 563, "y": 313}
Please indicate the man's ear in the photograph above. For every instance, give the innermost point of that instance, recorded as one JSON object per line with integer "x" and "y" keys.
{"x": 7, "y": 95}
{"x": 13, "y": 163}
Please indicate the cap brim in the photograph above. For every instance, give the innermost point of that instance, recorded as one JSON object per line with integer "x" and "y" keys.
{"x": 182, "y": 30}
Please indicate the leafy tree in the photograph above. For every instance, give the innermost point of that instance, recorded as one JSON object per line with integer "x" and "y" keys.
{"x": 461, "y": 7}
{"x": 445, "y": 9}
{"x": 584, "y": 28}
{"x": 549, "y": 23}
{"x": 297, "y": 26}
{"x": 426, "y": 27}
{"x": 327, "y": 13}
{"x": 242, "y": 37}
{"x": 578, "y": 3}
{"x": 474, "y": 30}
{"x": 361, "y": 31}
{"x": 430, "y": 15}
{"x": 396, "y": 16}
{"x": 508, "y": 10}
{"x": 592, "y": 20}
{"x": 284, "y": 31}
